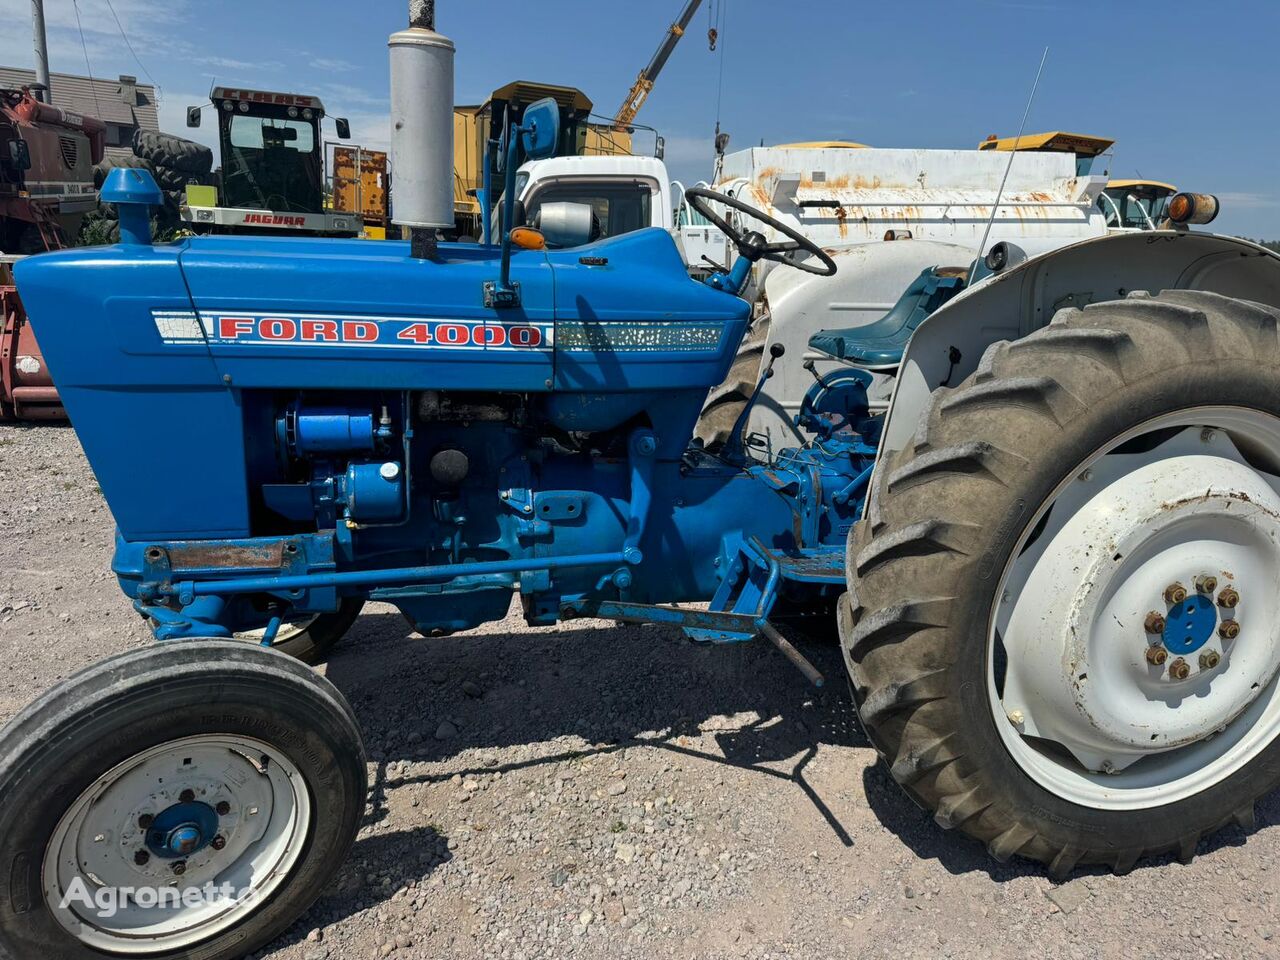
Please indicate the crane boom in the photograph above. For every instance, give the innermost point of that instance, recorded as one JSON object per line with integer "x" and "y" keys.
{"x": 644, "y": 82}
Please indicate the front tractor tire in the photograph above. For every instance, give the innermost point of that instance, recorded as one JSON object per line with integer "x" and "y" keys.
{"x": 232, "y": 777}
{"x": 1062, "y": 624}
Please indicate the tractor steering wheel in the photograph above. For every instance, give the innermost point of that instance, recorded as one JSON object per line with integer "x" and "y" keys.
{"x": 752, "y": 244}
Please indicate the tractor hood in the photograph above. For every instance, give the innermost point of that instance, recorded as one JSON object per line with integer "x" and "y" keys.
{"x": 177, "y": 338}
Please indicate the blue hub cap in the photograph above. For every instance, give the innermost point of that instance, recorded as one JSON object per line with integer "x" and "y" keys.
{"x": 182, "y": 830}
{"x": 1189, "y": 625}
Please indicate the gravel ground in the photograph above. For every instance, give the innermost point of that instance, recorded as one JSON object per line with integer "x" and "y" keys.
{"x": 590, "y": 791}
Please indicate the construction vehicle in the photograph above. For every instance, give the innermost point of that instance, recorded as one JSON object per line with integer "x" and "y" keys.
{"x": 476, "y": 127}
{"x": 643, "y": 86}
{"x": 272, "y": 155}
{"x": 46, "y": 172}
{"x": 1052, "y": 557}
{"x": 47, "y": 157}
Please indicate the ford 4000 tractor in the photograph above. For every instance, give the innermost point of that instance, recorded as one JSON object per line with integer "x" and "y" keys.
{"x": 1052, "y": 560}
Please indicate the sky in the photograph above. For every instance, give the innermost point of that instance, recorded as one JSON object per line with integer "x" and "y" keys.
{"x": 1187, "y": 88}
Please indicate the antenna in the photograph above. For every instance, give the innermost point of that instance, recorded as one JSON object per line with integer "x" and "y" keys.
{"x": 1009, "y": 166}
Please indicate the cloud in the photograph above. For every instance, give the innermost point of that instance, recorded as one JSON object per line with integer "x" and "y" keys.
{"x": 1248, "y": 201}
{"x": 228, "y": 63}
{"x": 345, "y": 93}
{"x": 334, "y": 65}
{"x": 173, "y": 118}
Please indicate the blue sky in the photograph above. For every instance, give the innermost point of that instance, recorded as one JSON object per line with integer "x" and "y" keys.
{"x": 1187, "y": 88}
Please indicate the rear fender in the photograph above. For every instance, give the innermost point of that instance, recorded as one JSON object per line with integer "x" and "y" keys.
{"x": 1025, "y": 298}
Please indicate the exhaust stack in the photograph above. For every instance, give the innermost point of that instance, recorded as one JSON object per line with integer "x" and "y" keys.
{"x": 422, "y": 127}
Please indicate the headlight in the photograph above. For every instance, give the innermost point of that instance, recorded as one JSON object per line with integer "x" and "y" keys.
{"x": 1193, "y": 208}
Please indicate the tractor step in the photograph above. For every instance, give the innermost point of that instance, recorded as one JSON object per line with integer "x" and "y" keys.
{"x": 730, "y": 627}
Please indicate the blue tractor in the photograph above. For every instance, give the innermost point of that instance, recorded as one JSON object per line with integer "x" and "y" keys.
{"x": 1052, "y": 561}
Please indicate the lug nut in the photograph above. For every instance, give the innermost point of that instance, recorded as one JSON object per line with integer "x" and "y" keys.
{"x": 1157, "y": 655}
{"x": 145, "y": 821}
{"x": 218, "y": 842}
{"x": 1154, "y": 623}
{"x": 1209, "y": 659}
{"x": 186, "y": 796}
{"x": 1179, "y": 669}
{"x": 1228, "y": 598}
{"x": 141, "y": 858}
{"x": 1206, "y": 583}
{"x": 179, "y": 867}
{"x": 1229, "y": 629}
{"x": 1175, "y": 593}
{"x": 223, "y": 808}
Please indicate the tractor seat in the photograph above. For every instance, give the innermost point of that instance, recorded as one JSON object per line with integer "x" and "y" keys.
{"x": 881, "y": 343}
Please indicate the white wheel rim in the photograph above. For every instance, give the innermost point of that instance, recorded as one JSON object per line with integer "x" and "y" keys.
{"x": 1082, "y": 710}
{"x": 104, "y": 880}
{"x": 288, "y": 630}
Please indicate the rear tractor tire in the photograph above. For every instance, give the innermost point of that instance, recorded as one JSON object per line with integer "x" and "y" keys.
{"x": 175, "y": 153}
{"x": 1062, "y": 625}
{"x": 182, "y": 801}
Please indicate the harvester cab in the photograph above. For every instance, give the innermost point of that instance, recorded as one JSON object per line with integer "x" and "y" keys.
{"x": 1152, "y": 205}
{"x": 271, "y": 147}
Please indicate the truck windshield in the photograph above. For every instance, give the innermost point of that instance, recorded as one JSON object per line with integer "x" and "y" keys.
{"x": 271, "y": 163}
{"x": 1135, "y": 209}
{"x": 619, "y": 207}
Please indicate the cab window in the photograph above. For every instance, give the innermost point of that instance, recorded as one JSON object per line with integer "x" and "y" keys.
{"x": 619, "y": 207}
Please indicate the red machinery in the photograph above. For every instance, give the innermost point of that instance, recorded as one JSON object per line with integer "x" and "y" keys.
{"x": 47, "y": 157}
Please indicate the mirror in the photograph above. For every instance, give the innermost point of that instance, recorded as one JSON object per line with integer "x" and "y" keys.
{"x": 540, "y": 129}
{"x": 193, "y": 116}
{"x": 19, "y": 154}
{"x": 344, "y": 128}
{"x": 274, "y": 136}
{"x": 500, "y": 145}
{"x": 660, "y": 148}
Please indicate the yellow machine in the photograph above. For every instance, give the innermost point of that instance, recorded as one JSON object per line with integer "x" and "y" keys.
{"x": 474, "y": 125}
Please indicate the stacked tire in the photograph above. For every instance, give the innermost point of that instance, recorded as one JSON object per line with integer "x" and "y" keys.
{"x": 175, "y": 162}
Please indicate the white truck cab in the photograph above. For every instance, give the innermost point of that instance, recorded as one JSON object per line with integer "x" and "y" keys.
{"x": 625, "y": 193}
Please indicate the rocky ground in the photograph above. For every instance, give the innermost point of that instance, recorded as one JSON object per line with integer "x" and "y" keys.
{"x": 592, "y": 791}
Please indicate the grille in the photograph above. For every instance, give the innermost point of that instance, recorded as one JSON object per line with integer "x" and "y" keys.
{"x": 70, "y": 151}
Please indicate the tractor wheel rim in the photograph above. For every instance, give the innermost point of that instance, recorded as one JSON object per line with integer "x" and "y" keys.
{"x": 176, "y": 844}
{"x": 288, "y": 630}
{"x": 1079, "y": 699}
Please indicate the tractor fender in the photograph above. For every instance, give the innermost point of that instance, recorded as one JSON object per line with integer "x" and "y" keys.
{"x": 948, "y": 346}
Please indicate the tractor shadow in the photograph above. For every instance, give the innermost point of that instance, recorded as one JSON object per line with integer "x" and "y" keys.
{"x": 959, "y": 854}
{"x": 611, "y": 686}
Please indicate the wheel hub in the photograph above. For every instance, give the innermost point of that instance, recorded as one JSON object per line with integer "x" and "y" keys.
{"x": 182, "y": 830}
{"x": 1189, "y": 625}
{"x": 1083, "y": 670}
